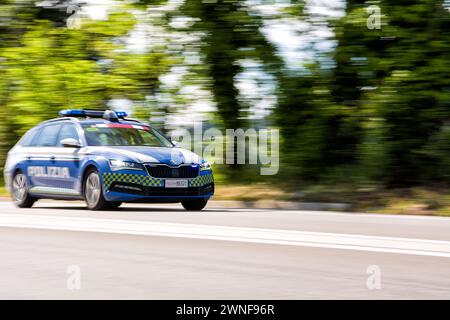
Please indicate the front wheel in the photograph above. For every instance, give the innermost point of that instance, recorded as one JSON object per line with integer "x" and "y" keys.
{"x": 21, "y": 197}
{"x": 93, "y": 192}
{"x": 194, "y": 205}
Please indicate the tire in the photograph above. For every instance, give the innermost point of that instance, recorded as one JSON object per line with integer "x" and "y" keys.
{"x": 194, "y": 205}
{"x": 19, "y": 188}
{"x": 93, "y": 192}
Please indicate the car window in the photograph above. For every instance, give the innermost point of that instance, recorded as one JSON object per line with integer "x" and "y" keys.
{"x": 124, "y": 135}
{"x": 28, "y": 138}
{"x": 47, "y": 137}
{"x": 68, "y": 131}
{"x": 150, "y": 140}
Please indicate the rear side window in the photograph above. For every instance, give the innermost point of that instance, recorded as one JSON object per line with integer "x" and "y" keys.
{"x": 47, "y": 136}
{"x": 28, "y": 138}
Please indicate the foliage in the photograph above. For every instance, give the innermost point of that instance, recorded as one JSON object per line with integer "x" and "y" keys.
{"x": 374, "y": 110}
{"x": 45, "y": 68}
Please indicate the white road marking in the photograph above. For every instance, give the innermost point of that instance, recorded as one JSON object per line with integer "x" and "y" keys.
{"x": 253, "y": 235}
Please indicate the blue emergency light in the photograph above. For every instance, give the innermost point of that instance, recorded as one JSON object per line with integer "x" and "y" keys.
{"x": 121, "y": 114}
{"x": 71, "y": 113}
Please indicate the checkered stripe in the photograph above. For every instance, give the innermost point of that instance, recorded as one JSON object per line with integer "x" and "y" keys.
{"x": 147, "y": 181}
{"x": 201, "y": 180}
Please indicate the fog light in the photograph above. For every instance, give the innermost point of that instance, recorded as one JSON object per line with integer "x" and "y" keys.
{"x": 128, "y": 187}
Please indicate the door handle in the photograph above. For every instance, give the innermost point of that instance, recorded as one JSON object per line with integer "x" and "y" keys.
{"x": 52, "y": 158}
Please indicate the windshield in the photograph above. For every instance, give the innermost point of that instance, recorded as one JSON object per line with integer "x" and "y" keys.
{"x": 124, "y": 135}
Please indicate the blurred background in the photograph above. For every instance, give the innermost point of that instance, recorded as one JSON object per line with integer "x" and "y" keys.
{"x": 360, "y": 90}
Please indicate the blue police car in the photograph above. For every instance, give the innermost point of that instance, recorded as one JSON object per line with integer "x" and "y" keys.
{"x": 106, "y": 159}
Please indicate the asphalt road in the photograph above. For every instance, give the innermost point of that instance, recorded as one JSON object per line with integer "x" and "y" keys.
{"x": 59, "y": 250}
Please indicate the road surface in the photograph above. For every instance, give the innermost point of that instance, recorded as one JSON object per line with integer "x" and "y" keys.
{"x": 59, "y": 250}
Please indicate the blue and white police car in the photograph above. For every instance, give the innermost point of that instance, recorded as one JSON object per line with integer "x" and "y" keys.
{"x": 105, "y": 159}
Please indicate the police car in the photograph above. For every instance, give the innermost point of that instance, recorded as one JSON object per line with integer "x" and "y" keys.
{"x": 105, "y": 159}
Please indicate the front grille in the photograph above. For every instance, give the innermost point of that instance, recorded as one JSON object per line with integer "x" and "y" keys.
{"x": 161, "y": 191}
{"x": 163, "y": 171}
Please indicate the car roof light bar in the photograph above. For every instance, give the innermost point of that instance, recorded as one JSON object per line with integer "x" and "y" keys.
{"x": 108, "y": 114}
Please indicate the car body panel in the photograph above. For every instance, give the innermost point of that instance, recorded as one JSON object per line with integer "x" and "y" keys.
{"x": 58, "y": 172}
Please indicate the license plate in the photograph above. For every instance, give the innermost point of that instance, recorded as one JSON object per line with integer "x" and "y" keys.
{"x": 176, "y": 183}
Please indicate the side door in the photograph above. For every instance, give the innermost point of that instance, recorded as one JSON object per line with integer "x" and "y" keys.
{"x": 41, "y": 156}
{"x": 67, "y": 160}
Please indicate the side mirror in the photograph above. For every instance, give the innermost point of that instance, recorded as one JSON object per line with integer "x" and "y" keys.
{"x": 176, "y": 143}
{"x": 70, "y": 143}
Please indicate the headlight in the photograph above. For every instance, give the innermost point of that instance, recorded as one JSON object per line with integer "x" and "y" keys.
{"x": 205, "y": 165}
{"x": 124, "y": 165}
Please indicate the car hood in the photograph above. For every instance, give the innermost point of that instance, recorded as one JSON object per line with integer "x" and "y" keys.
{"x": 170, "y": 156}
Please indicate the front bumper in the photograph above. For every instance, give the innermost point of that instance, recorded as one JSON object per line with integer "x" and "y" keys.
{"x": 141, "y": 187}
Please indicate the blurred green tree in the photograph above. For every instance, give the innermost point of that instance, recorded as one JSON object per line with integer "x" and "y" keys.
{"x": 394, "y": 82}
{"x": 48, "y": 67}
{"x": 231, "y": 33}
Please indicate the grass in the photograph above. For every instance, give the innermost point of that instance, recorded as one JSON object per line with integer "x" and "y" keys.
{"x": 417, "y": 201}
{"x": 3, "y": 192}
{"x": 411, "y": 201}
{"x": 253, "y": 192}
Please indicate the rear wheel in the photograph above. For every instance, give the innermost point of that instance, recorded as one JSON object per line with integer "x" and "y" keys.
{"x": 194, "y": 205}
{"x": 21, "y": 197}
{"x": 93, "y": 192}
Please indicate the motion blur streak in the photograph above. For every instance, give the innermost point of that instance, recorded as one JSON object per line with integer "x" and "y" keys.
{"x": 253, "y": 235}
{"x": 176, "y": 255}
{"x": 358, "y": 91}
